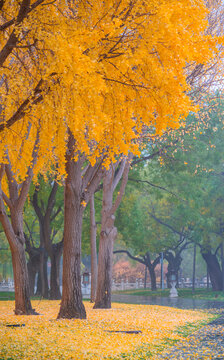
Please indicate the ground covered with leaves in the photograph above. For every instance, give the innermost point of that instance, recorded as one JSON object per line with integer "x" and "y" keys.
{"x": 44, "y": 337}
{"x": 206, "y": 343}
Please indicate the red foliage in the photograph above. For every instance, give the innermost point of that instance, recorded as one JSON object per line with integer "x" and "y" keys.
{"x": 123, "y": 270}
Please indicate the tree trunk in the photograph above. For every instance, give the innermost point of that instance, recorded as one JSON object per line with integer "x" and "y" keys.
{"x": 55, "y": 293}
{"x": 145, "y": 277}
{"x": 174, "y": 262}
{"x": 214, "y": 270}
{"x": 207, "y": 277}
{"x": 93, "y": 229}
{"x": 194, "y": 266}
{"x": 108, "y": 230}
{"x": 43, "y": 273}
{"x": 32, "y": 276}
{"x": 42, "y": 278}
{"x": 104, "y": 282}
{"x": 222, "y": 266}
{"x": 161, "y": 271}
{"x": 33, "y": 265}
{"x": 107, "y": 236}
{"x": 152, "y": 277}
{"x": 21, "y": 281}
{"x": 71, "y": 304}
{"x": 45, "y": 218}
{"x": 15, "y": 236}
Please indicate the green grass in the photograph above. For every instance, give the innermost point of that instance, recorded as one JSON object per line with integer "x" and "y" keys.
{"x": 201, "y": 294}
{"x": 10, "y": 295}
{"x": 7, "y": 295}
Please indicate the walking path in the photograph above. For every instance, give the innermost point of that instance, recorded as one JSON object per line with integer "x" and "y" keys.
{"x": 206, "y": 343}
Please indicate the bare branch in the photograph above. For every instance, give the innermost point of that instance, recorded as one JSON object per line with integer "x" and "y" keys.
{"x": 165, "y": 224}
{"x": 129, "y": 254}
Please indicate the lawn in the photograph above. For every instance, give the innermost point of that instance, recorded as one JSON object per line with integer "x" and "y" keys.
{"x": 185, "y": 293}
{"x": 44, "y": 337}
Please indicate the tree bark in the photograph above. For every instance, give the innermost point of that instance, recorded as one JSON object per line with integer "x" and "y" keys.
{"x": 33, "y": 267}
{"x": 17, "y": 246}
{"x": 93, "y": 229}
{"x": 21, "y": 281}
{"x": 55, "y": 293}
{"x": 194, "y": 266}
{"x": 107, "y": 236}
{"x": 53, "y": 250}
{"x": 145, "y": 277}
{"x": 103, "y": 296}
{"x": 108, "y": 233}
{"x": 152, "y": 278}
{"x": 151, "y": 265}
{"x": 174, "y": 262}
{"x": 214, "y": 270}
{"x": 71, "y": 304}
{"x": 222, "y": 266}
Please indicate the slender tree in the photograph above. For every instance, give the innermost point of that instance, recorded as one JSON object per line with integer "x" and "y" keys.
{"x": 108, "y": 230}
{"x": 94, "y": 267}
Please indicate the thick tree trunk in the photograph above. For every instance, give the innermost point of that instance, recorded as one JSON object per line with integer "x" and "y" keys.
{"x": 93, "y": 229}
{"x": 15, "y": 236}
{"x": 32, "y": 276}
{"x": 145, "y": 277}
{"x": 152, "y": 278}
{"x": 214, "y": 270}
{"x": 45, "y": 218}
{"x": 43, "y": 274}
{"x": 174, "y": 262}
{"x": 151, "y": 265}
{"x": 55, "y": 293}
{"x": 42, "y": 278}
{"x": 71, "y": 304}
{"x": 21, "y": 281}
{"x": 33, "y": 265}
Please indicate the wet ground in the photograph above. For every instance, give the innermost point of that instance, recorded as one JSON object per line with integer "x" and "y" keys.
{"x": 180, "y": 303}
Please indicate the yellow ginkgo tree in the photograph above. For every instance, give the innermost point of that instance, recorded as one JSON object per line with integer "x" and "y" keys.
{"x": 93, "y": 76}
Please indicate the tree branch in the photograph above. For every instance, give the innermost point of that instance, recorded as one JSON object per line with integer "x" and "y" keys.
{"x": 156, "y": 186}
{"x": 36, "y": 206}
{"x": 21, "y": 111}
{"x": 55, "y": 214}
{"x": 119, "y": 173}
{"x": 131, "y": 256}
{"x": 51, "y": 199}
{"x": 123, "y": 185}
{"x": 165, "y": 224}
{"x": 26, "y": 183}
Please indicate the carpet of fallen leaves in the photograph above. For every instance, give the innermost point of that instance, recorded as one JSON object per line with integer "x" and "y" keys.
{"x": 44, "y": 337}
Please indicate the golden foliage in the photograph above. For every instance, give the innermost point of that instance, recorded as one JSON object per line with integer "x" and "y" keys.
{"x": 104, "y": 69}
{"x": 45, "y": 338}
